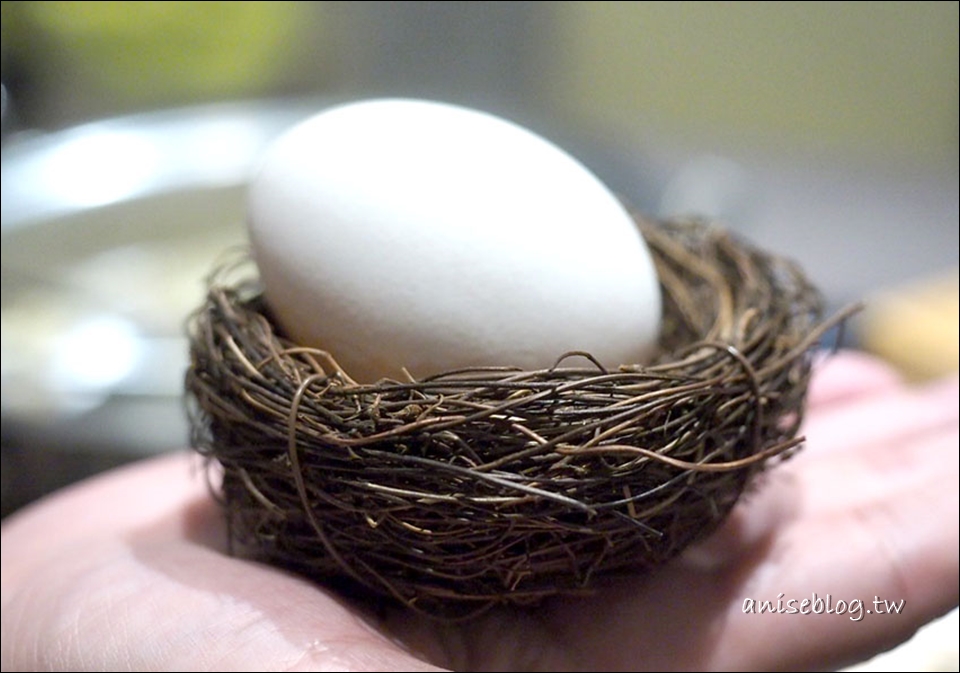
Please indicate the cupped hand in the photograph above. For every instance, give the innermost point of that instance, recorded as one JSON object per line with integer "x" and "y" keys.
{"x": 129, "y": 570}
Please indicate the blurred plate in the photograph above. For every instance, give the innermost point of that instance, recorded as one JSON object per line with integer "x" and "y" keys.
{"x": 108, "y": 231}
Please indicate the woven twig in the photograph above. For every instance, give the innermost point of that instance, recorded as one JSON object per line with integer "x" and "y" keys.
{"x": 473, "y": 488}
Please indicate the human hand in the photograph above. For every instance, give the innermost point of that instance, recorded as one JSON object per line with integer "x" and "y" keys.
{"x": 129, "y": 570}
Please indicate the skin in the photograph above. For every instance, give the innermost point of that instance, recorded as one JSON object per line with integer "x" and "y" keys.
{"x": 128, "y": 570}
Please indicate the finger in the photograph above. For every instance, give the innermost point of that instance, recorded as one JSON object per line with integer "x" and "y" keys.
{"x": 900, "y": 545}
{"x": 878, "y": 520}
{"x": 866, "y": 420}
{"x": 853, "y": 451}
{"x": 876, "y": 516}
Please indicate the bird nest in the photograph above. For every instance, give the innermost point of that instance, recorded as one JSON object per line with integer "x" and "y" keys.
{"x": 472, "y": 488}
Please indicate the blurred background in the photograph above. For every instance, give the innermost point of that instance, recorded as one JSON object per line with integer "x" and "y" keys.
{"x": 824, "y": 131}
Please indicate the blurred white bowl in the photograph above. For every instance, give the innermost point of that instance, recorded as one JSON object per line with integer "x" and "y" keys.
{"x": 108, "y": 230}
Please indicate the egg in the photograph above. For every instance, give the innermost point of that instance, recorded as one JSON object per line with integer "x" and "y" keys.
{"x": 414, "y": 235}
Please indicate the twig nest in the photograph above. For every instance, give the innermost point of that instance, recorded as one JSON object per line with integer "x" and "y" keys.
{"x": 473, "y": 488}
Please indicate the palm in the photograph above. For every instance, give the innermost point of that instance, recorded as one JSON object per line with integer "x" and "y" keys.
{"x": 129, "y": 572}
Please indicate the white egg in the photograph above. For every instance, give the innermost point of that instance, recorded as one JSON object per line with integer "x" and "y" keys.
{"x": 412, "y": 234}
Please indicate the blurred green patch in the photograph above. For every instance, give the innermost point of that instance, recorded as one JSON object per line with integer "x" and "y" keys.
{"x": 149, "y": 53}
